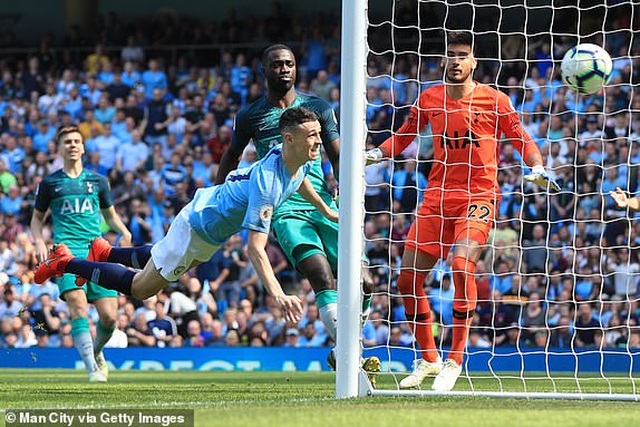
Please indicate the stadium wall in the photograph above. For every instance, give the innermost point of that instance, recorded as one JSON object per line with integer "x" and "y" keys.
{"x": 314, "y": 359}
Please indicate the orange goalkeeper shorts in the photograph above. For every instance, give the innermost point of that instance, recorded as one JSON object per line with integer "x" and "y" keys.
{"x": 439, "y": 225}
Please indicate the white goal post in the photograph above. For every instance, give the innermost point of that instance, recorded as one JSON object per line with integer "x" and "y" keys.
{"x": 587, "y": 283}
{"x": 350, "y": 244}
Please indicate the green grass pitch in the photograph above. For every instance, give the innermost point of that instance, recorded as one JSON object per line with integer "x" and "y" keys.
{"x": 306, "y": 399}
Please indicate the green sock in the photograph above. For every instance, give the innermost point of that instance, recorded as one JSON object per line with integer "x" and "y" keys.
{"x": 102, "y": 336}
{"x": 83, "y": 342}
{"x": 327, "y": 301}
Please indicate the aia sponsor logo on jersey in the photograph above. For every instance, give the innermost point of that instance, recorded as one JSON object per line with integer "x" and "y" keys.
{"x": 76, "y": 206}
{"x": 458, "y": 141}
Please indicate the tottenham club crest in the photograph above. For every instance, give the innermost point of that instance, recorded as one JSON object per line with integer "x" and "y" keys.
{"x": 266, "y": 212}
{"x": 89, "y": 187}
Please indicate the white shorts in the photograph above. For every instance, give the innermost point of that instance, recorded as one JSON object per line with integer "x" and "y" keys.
{"x": 176, "y": 252}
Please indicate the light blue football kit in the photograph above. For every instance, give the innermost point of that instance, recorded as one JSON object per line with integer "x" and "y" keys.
{"x": 247, "y": 199}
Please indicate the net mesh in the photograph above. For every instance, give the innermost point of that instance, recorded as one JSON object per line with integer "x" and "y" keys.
{"x": 558, "y": 280}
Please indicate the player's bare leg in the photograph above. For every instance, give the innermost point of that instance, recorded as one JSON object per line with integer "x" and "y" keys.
{"x": 147, "y": 282}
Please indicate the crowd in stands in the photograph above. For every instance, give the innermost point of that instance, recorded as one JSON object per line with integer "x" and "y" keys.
{"x": 560, "y": 271}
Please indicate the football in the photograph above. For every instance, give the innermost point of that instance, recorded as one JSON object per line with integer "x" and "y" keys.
{"x": 586, "y": 68}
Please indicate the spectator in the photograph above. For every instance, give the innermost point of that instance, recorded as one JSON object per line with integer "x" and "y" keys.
{"x": 139, "y": 334}
{"x": 50, "y": 102}
{"x": 292, "y": 338}
{"x": 313, "y": 316}
{"x": 195, "y": 337}
{"x": 234, "y": 261}
{"x": 476, "y": 339}
{"x": 46, "y": 319}
{"x": 310, "y": 337}
{"x": 533, "y": 317}
{"x": 104, "y": 112}
{"x": 562, "y": 334}
{"x": 132, "y": 52}
{"x": 132, "y": 156}
{"x": 157, "y": 118}
{"x": 172, "y": 174}
{"x": 130, "y": 75}
{"x": 408, "y": 186}
{"x": 10, "y": 307}
{"x": 399, "y": 338}
{"x": 180, "y": 307}
{"x": 90, "y": 127}
{"x": 96, "y": 60}
{"x": 241, "y": 76}
{"x": 625, "y": 272}
{"x": 153, "y": 78}
{"x": 117, "y": 90}
{"x": 378, "y": 330}
{"x": 7, "y": 179}
{"x": 12, "y": 203}
{"x": 119, "y": 338}
{"x": 585, "y": 326}
{"x": 441, "y": 299}
{"x": 534, "y": 251}
{"x": 219, "y": 144}
{"x": 321, "y": 86}
{"x": 205, "y": 302}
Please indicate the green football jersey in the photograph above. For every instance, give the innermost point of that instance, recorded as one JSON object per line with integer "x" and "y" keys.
{"x": 75, "y": 205}
{"x": 259, "y": 122}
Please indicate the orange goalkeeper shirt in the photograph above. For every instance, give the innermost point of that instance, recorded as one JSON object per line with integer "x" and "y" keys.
{"x": 465, "y": 138}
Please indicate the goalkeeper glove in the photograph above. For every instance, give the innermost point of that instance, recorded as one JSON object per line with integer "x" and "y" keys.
{"x": 539, "y": 177}
{"x": 373, "y": 156}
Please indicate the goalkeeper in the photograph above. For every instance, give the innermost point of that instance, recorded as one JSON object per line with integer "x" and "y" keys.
{"x": 467, "y": 119}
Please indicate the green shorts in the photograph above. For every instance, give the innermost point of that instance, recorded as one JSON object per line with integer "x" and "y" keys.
{"x": 305, "y": 233}
{"x": 68, "y": 282}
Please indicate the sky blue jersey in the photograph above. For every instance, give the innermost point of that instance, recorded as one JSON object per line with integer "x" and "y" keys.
{"x": 247, "y": 198}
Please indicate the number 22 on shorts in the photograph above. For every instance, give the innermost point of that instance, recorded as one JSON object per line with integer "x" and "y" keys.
{"x": 479, "y": 212}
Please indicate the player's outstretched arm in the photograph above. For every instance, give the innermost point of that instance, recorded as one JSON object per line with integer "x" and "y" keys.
{"x": 623, "y": 201}
{"x": 307, "y": 191}
{"x": 290, "y": 304}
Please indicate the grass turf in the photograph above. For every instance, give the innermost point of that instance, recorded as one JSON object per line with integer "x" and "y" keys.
{"x": 304, "y": 398}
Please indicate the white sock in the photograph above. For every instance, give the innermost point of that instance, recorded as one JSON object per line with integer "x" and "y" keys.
{"x": 84, "y": 344}
{"x": 329, "y": 316}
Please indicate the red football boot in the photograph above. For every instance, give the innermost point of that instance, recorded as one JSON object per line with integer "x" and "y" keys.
{"x": 99, "y": 251}
{"x": 54, "y": 265}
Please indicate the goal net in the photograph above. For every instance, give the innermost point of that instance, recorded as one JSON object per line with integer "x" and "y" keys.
{"x": 557, "y": 312}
